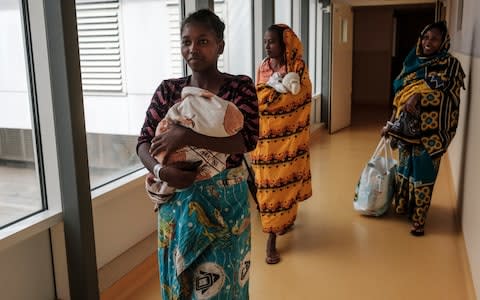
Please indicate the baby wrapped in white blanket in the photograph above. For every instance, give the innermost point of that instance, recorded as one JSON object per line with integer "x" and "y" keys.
{"x": 204, "y": 113}
{"x": 290, "y": 82}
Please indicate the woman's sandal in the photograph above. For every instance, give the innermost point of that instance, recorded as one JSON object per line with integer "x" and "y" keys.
{"x": 417, "y": 230}
{"x": 273, "y": 258}
{"x": 272, "y": 255}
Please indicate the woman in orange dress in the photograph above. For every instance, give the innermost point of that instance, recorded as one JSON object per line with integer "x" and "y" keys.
{"x": 281, "y": 159}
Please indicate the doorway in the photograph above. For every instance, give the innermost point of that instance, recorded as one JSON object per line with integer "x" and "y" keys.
{"x": 383, "y": 36}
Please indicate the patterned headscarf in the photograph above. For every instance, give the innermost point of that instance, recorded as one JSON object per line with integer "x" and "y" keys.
{"x": 271, "y": 101}
{"x": 439, "y": 105}
{"x": 416, "y": 65}
{"x": 293, "y": 45}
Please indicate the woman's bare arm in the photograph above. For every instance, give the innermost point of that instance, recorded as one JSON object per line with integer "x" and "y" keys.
{"x": 145, "y": 157}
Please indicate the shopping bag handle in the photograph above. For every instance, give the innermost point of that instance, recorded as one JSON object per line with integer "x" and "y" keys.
{"x": 384, "y": 144}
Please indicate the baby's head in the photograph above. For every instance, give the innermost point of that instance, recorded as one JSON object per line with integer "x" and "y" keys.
{"x": 291, "y": 81}
{"x": 233, "y": 120}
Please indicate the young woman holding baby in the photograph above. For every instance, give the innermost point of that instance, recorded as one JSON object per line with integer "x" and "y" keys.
{"x": 204, "y": 228}
{"x": 281, "y": 161}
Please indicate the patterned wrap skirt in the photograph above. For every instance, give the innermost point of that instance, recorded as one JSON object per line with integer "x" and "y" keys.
{"x": 415, "y": 179}
{"x": 204, "y": 239}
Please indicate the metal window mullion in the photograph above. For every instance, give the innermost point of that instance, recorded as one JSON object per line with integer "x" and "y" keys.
{"x": 304, "y": 28}
{"x": 35, "y": 113}
{"x": 70, "y": 136}
{"x": 293, "y": 7}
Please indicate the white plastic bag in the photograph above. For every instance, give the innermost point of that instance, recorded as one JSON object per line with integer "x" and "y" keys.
{"x": 374, "y": 191}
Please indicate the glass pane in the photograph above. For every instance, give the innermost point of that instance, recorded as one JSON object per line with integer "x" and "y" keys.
{"x": 237, "y": 16}
{"x": 283, "y": 12}
{"x": 126, "y": 49}
{"x": 20, "y": 193}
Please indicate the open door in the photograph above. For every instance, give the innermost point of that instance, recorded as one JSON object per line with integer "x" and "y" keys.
{"x": 341, "y": 66}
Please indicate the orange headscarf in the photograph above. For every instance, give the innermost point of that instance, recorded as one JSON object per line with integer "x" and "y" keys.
{"x": 293, "y": 47}
{"x": 269, "y": 99}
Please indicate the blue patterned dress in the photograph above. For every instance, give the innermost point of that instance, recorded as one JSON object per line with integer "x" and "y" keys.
{"x": 204, "y": 240}
{"x": 419, "y": 158}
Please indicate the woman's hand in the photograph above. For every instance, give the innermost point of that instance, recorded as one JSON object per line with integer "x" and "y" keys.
{"x": 180, "y": 174}
{"x": 172, "y": 139}
{"x": 411, "y": 105}
{"x": 385, "y": 129}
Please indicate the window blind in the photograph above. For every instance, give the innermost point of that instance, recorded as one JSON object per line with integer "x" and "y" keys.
{"x": 99, "y": 44}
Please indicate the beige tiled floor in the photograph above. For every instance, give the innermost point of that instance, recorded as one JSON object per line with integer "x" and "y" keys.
{"x": 334, "y": 253}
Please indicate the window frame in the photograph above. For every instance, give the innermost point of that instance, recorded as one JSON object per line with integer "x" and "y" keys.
{"x": 42, "y": 125}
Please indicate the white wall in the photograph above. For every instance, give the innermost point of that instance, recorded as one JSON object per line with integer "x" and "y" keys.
{"x": 466, "y": 146}
{"x": 122, "y": 218}
{"x": 463, "y": 152}
{"x": 26, "y": 270}
{"x": 455, "y": 150}
{"x": 471, "y": 188}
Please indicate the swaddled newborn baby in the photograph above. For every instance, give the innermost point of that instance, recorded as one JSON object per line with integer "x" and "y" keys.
{"x": 288, "y": 83}
{"x": 204, "y": 113}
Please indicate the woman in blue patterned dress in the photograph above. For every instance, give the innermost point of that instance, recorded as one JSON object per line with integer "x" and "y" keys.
{"x": 427, "y": 90}
{"x": 204, "y": 230}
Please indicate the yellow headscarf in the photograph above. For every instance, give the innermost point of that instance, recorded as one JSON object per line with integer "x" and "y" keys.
{"x": 269, "y": 99}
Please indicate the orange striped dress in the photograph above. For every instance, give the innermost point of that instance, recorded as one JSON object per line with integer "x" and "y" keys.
{"x": 281, "y": 160}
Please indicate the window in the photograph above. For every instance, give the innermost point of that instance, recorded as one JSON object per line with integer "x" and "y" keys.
{"x": 127, "y": 48}
{"x": 99, "y": 45}
{"x": 237, "y": 16}
{"x": 174, "y": 21}
{"x": 20, "y": 186}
